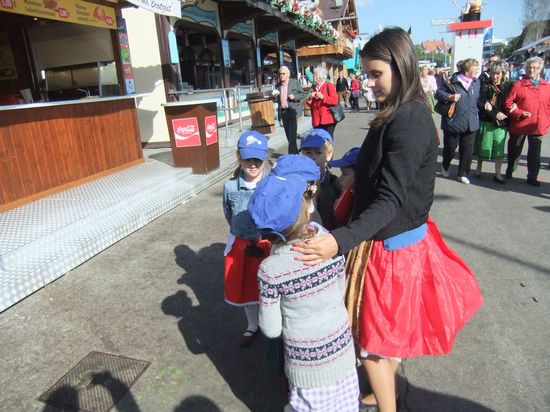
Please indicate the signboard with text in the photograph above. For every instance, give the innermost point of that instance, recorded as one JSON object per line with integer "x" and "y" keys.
{"x": 186, "y": 132}
{"x": 71, "y": 11}
{"x": 443, "y": 22}
{"x": 211, "y": 129}
{"x": 164, "y": 7}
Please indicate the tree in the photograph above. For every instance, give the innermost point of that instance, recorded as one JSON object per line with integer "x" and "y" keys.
{"x": 511, "y": 47}
{"x": 535, "y": 14}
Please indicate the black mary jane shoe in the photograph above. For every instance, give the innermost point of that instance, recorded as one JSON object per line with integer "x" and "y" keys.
{"x": 500, "y": 181}
{"x": 248, "y": 337}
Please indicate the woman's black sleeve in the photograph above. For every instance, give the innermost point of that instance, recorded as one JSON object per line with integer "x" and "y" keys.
{"x": 406, "y": 141}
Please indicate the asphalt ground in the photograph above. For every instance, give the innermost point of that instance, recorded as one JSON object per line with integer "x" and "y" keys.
{"x": 157, "y": 296}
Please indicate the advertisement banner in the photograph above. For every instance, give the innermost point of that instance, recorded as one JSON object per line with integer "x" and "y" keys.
{"x": 186, "y": 132}
{"x": 211, "y": 128}
{"x": 226, "y": 53}
{"x": 72, "y": 11}
{"x": 164, "y": 7}
{"x": 124, "y": 45}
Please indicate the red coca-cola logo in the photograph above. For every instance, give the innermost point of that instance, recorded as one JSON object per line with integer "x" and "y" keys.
{"x": 186, "y": 132}
{"x": 211, "y": 129}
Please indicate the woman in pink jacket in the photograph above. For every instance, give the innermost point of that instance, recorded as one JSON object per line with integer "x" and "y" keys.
{"x": 529, "y": 107}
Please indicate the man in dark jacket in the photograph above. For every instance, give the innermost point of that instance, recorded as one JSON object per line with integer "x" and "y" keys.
{"x": 289, "y": 93}
{"x": 342, "y": 88}
{"x": 485, "y": 76}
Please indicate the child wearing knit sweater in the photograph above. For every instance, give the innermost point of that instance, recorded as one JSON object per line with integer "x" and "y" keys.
{"x": 304, "y": 303}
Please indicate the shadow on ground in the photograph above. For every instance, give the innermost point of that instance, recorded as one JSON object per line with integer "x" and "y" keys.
{"x": 210, "y": 326}
{"x": 415, "y": 399}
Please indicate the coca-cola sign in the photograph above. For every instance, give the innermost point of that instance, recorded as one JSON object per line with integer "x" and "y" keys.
{"x": 186, "y": 132}
{"x": 211, "y": 129}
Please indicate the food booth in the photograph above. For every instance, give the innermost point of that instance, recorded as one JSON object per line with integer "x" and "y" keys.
{"x": 67, "y": 97}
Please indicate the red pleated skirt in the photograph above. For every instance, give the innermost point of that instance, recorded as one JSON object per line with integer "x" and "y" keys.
{"x": 416, "y": 299}
{"x": 241, "y": 272}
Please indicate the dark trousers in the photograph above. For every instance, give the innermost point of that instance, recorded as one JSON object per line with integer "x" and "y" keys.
{"x": 354, "y": 102}
{"x": 465, "y": 142}
{"x": 328, "y": 127}
{"x": 515, "y": 146}
{"x": 290, "y": 124}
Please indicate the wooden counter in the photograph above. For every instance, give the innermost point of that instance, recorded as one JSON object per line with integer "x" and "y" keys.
{"x": 49, "y": 147}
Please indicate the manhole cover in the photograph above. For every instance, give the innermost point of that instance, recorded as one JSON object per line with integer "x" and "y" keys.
{"x": 96, "y": 383}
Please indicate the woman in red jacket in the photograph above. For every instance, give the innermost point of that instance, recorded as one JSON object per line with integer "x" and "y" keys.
{"x": 529, "y": 106}
{"x": 321, "y": 97}
{"x": 355, "y": 93}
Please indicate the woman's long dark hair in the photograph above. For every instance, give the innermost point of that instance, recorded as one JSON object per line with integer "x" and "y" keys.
{"x": 395, "y": 47}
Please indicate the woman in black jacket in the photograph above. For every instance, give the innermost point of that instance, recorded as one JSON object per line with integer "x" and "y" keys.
{"x": 419, "y": 292}
{"x": 492, "y": 131}
{"x": 460, "y": 130}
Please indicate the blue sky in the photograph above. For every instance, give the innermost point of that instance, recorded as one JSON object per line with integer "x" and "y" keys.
{"x": 507, "y": 15}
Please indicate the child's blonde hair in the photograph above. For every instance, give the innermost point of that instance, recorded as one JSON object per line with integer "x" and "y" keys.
{"x": 300, "y": 229}
{"x": 327, "y": 147}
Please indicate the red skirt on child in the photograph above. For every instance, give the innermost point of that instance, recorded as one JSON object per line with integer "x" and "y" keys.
{"x": 241, "y": 271}
{"x": 416, "y": 299}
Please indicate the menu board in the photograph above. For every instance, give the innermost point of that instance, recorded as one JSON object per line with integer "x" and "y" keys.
{"x": 72, "y": 11}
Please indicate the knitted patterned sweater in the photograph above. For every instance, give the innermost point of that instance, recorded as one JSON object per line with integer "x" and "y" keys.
{"x": 306, "y": 305}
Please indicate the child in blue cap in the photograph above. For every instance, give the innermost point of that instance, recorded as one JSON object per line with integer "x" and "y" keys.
{"x": 244, "y": 250}
{"x": 302, "y": 167}
{"x": 317, "y": 144}
{"x": 302, "y": 303}
{"x": 343, "y": 205}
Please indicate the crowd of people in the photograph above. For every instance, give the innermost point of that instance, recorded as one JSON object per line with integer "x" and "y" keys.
{"x": 336, "y": 271}
{"x": 488, "y": 107}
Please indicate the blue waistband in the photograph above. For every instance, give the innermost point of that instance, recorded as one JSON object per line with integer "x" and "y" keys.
{"x": 410, "y": 237}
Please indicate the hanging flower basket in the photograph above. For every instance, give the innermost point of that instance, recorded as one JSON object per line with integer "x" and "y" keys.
{"x": 301, "y": 16}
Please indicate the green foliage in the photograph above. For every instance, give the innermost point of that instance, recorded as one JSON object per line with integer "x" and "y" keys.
{"x": 511, "y": 47}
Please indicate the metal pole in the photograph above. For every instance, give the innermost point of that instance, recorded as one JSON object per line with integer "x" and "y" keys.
{"x": 238, "y": 98}
{"x": 225, "y": 112}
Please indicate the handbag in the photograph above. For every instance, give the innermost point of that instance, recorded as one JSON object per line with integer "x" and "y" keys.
{"x": 446, "y": 108}
{"x": 337, "y": 112}
{"x": 356, "y": 94}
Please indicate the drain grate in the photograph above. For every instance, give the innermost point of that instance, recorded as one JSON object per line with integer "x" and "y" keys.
{"x": 96, "y": 383}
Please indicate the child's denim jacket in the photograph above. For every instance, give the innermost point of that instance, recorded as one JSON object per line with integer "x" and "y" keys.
{"x": 235, "y": 202}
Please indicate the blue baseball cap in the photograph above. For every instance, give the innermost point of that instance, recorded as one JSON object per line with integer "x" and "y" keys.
{"x": 315, "y": 138}
{"x": 276, "y": 203}
{"x": 252, "y": 145}
{"x": 294, "y": 164}
{"x": 348, "y": 160}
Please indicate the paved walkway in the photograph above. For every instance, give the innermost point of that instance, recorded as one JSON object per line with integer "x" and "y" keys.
{"x": 43, "y": 240}
{"x": 157, "y": 296}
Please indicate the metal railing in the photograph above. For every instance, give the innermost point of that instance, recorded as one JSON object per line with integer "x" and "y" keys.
{"x": 225, "y": 95}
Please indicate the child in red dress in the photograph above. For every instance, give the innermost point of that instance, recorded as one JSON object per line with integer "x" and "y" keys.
{"x": 244, "y": 250}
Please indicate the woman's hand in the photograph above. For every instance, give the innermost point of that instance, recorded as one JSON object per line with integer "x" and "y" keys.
{"x": 316, "y": 250}
{"x": 488, "y": 106}
{"x": 501, "y": 116}
{"x": 320, "y": 96}
{"x": 513, "y": 107}
{"x": 454, "y": 97}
